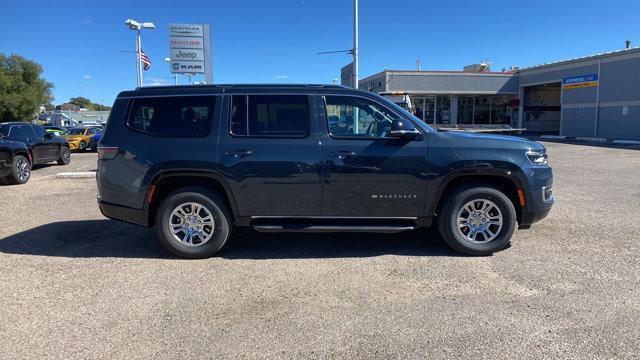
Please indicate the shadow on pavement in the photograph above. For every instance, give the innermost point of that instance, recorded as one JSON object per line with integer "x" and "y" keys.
{"x": 113, "y": 239}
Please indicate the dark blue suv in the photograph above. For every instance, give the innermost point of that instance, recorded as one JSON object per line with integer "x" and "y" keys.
{"x": 194, "y": 162}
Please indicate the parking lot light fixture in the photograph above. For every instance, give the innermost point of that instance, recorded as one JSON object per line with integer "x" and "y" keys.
{"x": 137, "y": 26}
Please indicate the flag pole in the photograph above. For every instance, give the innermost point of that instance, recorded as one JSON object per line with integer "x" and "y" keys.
{"x": 139, "y": 58}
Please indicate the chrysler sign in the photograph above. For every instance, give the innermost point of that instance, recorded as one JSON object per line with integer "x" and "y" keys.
{"x": 190, "y": 49}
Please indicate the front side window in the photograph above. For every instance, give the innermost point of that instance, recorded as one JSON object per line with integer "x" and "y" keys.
{"x": 39, "y": 131}
{"x": 269, "y": 115}
{"x": 349, "y": 116}
{"x": 180, "y": 116}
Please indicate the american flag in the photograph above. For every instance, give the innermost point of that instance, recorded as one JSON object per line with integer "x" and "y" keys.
{"x": 146, "y": 63}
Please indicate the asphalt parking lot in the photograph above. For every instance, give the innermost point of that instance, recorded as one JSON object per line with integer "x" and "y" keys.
{"x": 76, "y": 285}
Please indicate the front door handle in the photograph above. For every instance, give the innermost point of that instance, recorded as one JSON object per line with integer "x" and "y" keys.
{"x": 343, "y": 154}
{"x": 238, "y": 153}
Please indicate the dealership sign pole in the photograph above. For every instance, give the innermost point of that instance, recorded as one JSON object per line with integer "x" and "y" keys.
{"x": 190, "y": 50}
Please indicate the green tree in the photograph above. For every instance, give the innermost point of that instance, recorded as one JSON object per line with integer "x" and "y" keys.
{"x": 100, "y": 107}
{"x": 83, "y": 102}
{"x": 22, "y": 90}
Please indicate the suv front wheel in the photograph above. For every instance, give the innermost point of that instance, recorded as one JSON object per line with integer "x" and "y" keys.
{"x": 193, "y": 223}
{"x": 477, "y": 221}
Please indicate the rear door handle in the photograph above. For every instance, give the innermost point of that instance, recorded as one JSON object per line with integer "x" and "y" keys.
{"x": 343, "y": 154}
{"x": 238, "y": 153}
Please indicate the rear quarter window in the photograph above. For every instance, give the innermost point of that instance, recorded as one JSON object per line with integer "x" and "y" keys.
{"x": 179, "y": 116}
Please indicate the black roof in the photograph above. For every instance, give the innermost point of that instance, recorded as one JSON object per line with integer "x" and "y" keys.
{"x": 16, "y": 123}
{"x": 221, "y": 88}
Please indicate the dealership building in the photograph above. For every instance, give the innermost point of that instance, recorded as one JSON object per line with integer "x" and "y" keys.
{"x": 593, "y": 96}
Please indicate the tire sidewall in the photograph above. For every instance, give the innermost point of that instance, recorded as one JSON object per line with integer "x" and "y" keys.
{"x": 449, "y": 224}
{"x": 210, "y": 201}
{"x": 14, "y": 170}
{"x": 62, "y": 160}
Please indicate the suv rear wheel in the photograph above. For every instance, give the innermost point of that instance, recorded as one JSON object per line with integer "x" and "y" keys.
{"x": 20, "y": 170}
{"x": 193, "y": 223}
{"x": 477, "y": 221}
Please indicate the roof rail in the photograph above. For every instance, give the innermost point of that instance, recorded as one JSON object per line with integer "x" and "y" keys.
{"x": 168, "y": 87}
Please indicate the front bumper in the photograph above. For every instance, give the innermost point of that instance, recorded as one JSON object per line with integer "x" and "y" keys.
{"x": 538, "y": 201}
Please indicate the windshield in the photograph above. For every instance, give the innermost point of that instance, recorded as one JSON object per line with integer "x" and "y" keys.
{"x": 74, "y": 132}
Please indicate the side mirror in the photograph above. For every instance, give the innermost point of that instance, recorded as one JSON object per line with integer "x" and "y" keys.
{"x": 49, "y": 135}
{"x": 404, "y": 129}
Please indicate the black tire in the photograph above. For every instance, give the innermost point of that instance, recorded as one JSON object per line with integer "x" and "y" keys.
{"x": 448, "y": 221}
{"x": 209, "y": 200}
{"x": 65, "y": 156}
{"x": 82, "y": 146}
{"x": 18, "y": 166}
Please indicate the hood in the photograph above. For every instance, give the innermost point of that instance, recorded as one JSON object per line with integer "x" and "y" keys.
{"x": 12, "y": 144}
{"x": 489, "y": 141}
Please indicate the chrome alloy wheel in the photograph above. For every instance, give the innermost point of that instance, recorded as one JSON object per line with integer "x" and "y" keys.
{"x": 191, "y": 224}
{"x": 66, "y": 156}
{"x": 479, "y": 221}
{"x": 22, "y": 169}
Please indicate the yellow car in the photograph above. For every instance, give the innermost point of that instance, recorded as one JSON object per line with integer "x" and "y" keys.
{"x": 79, "y": 137}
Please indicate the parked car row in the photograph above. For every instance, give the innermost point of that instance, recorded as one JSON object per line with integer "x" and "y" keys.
{"x": 23, "y": 145}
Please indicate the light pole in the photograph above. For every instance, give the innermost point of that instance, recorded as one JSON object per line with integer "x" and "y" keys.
{"x": 354, "y": 51}
{"x": 355, "y": 44}
{"x": 175, "y": 76}
{"x": 136, "y": 26}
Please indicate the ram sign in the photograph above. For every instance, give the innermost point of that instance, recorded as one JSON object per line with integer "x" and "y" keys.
{"x": 190, "y": 49}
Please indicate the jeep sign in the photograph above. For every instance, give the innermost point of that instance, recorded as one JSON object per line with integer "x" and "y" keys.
{"x": 186, "y": 54}
{"x": 190, "y": 49}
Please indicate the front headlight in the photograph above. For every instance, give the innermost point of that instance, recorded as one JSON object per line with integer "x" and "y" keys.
{"x": 538, "y": 157}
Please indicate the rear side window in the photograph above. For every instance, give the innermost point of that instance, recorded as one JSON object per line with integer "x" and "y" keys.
{"x": 180, "y": 116}
{"x": 18, "y": 132}
{"x": 270, "y": 115}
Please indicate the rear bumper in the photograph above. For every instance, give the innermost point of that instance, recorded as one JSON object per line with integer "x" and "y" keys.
{"x": 123, "y": 213}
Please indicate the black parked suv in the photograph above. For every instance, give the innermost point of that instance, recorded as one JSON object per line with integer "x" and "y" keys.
{"x": 196, "y": 161}
{"x": 43, "y": 146}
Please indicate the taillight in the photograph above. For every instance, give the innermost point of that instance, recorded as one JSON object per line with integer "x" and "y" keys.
{"x": 107, "y": 152}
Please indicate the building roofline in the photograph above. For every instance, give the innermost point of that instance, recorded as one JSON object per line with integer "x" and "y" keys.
{"x": 452, "y": 72}
{"x": 580, "y": 59}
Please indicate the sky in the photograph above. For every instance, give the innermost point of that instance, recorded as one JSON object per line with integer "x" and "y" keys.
{"x": 86, "y": 50}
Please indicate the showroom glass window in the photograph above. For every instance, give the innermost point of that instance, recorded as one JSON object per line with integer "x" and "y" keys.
{"x": 270, "y": 115}
{"x": 179, "y": 116}
{"x": 350, "y": 116}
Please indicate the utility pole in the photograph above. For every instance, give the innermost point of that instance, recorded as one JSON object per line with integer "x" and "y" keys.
{"x": 355, "y": 44}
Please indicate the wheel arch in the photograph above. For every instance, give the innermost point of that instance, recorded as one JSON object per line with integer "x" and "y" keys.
{"x": 506, "y": 182}
{"x": 164, "y": 184}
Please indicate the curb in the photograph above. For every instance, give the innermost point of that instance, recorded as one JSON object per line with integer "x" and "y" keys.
{"x": 559, "y": 137}
{"x": 76, "y": 175}
{"x": 627, "y": 142}
{"x": 586, "y": 138}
